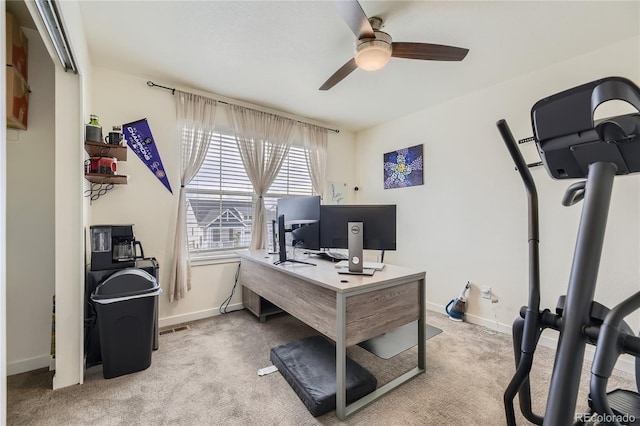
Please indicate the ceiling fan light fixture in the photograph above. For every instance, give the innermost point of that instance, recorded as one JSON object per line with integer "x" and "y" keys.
{"x": 373, "y": 54}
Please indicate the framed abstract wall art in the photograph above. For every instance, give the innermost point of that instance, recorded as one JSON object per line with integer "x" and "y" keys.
{"x": 403, "y": 167}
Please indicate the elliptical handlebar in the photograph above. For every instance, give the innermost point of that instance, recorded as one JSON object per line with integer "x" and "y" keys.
{"x": 534, "y": 227}
{"x": 574, "y": 194}
{"x": 527, "y": 179}
{"x": 530, "y": 326}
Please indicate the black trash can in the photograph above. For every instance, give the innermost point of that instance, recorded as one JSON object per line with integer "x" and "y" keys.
{"x": 125, "y": 307}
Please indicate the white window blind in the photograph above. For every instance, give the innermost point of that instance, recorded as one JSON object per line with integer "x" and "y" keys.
{"x": 220, "y": 197}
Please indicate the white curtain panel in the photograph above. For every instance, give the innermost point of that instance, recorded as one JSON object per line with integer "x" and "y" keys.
{"x": 196, "y": 118}
{"x": 315, "y": 141}
{"x": 263, "y": 141}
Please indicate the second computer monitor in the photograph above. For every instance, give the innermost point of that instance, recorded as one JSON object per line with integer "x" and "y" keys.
{"x": 301, "y": 216}
{"x": 379, "y": 225}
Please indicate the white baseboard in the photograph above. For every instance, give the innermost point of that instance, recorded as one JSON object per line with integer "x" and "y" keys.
{"x": 625, "y": 363}
{"x": 47, "y": 361}
{"x": 30, "y": 364}
{"x": 194, "y": 316}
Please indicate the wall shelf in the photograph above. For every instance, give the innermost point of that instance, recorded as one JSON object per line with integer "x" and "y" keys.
{"x": 106, "y": 179}
{"x": 101, "y": 183}
{"x": 99, "y": 149}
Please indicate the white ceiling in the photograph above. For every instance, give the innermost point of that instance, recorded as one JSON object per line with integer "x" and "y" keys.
{"x": 278, "y": 53}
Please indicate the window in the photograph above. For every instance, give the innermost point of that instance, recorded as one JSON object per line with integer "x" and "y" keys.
{"x": 220, "y": 197}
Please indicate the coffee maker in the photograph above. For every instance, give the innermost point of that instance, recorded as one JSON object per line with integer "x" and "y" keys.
{"x": 113, "y": 247}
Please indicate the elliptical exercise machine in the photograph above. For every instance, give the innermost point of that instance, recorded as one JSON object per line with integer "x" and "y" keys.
{"x": 572, "y": 145}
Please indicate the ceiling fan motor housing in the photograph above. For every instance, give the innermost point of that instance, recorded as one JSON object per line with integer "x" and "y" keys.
{"x": 373, "y": 53}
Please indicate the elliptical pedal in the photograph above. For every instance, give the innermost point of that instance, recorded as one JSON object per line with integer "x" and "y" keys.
{"x": 625, "y": 404}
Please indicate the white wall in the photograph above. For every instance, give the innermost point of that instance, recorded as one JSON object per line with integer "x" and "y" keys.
{"x": 468, "y": 222}
{"x": 120, "y": 98}
{"x": 30, "y": 216}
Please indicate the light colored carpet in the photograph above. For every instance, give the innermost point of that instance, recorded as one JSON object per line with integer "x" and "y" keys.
{"x": 208, "y": 376}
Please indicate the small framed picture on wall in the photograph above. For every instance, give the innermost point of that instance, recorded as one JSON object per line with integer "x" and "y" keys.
{"x": 336, "y": 193}
{"x": 403, "y": 168}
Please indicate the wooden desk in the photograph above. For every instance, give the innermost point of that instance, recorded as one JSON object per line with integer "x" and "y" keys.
{"x": 346, "y": 312}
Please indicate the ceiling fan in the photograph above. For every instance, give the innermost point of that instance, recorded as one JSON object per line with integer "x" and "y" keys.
{"x": 373, "y": 47}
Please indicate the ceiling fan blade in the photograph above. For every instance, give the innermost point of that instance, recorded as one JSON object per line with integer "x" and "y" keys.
{"x": 427, "y": 51}
{"x": 354, "y": 16}
{"x": 337, "y": 77}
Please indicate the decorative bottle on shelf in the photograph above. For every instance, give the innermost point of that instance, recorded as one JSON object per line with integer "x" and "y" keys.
{"x": 93, "y": 130}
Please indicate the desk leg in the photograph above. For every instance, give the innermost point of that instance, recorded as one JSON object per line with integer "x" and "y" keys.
{"x": 342, "y": 410}
{"x": 341, "y": 356}
{"x": 421, "y": 325}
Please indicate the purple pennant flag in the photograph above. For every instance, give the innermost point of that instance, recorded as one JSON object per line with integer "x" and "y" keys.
{"x": 140, "y": 140}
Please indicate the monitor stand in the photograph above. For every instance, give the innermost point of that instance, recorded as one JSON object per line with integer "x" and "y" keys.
{"x": 365, "y": 271}
{"x": 274, "y": 236}
{"x": 355, "y": 246}
{"x": 278, "y": 262}
{"x": 282, "y": 251}
{"x": 356, "y": 231}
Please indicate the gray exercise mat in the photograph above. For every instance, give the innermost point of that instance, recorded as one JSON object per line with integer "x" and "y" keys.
{"x": 390, "y": 344}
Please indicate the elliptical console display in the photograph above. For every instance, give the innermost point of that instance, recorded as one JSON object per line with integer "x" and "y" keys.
{"x": 569, "y": 140}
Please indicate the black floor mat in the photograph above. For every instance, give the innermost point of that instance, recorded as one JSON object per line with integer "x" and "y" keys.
{"x": 309, "y": 365}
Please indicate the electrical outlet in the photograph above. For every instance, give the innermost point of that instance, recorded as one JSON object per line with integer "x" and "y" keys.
{"x": 485, "y": 292}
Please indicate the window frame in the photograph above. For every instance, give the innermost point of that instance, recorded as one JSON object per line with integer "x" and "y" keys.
{"x": 223, "y": 142}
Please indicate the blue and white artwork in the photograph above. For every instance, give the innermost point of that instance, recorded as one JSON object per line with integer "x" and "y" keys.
{"x": 403, "y": 167}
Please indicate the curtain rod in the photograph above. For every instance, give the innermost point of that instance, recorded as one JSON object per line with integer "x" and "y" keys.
{"x": 173, "y": 92}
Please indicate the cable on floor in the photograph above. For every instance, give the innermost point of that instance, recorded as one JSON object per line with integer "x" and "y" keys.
{"x": 223, "y": 309}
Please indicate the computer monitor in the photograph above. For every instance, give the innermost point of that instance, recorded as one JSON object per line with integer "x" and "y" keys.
{"x": 300, "y": 218}
{"x": 299, "y": 210}
{"x": 379, "y": 225}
